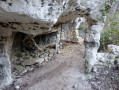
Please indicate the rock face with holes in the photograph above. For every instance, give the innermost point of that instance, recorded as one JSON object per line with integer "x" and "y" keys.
{"x": 36, "y": 17}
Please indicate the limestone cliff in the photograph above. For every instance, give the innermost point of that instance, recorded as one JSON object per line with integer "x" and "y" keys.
{"x": 36, "y": 17}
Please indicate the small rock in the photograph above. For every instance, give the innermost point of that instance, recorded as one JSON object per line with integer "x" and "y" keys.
{"x": 50, "y": 55}
{"x": 74, "y": 86}
{"x": 52, "y": 51}
{"x": 23, "y": 54}
{"x": 42, "y": 56}
{"x": 27, "y": 57}
{"x": 38, "y": 54}
{"x": 118, "y": 61}
{"x": 95, "y": 69}
{"x": 24, "y": 72}
{"x": 46, "y": 54}
{"x": 58, "y": 52}
{"x": 28, "y": 62}
{"x": 113, "y": 49}
{"x": 46, "y": 59}
{"x": 105, "y": 57}
{"x": 18, "y": 67}
{"x": 17, "y": 62}
{"x": 21, "y": 59}
{"x": 40, "y": 60}
{"x": 17, "y": 87}
{"x": 29, "y": 69}
{"x": 15, "y": 58}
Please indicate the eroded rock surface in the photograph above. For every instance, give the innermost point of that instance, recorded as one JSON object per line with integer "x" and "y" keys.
{"x": 5, "y": 64}
{"x": 113, "y": 49}
{"x": 36, "y": 17}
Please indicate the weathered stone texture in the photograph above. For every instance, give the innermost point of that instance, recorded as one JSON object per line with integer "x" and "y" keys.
{"x": 5, "y": 64}
{"x": 35, "y": 17}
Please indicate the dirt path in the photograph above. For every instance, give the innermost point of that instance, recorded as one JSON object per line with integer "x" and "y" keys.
{"x": 64, "y": 72}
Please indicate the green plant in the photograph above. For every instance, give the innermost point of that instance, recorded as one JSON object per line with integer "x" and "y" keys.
{"x": 111, "y": 32}
{"x": 108, "y": 5}
{"x": 110, "y": 35}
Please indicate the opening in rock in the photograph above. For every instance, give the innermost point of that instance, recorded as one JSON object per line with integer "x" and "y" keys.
{"x": 42, "y": 41}
{"x": 46, "y": 40}
{"x": 18, "y": 41}
{"x": 25, "y": 53}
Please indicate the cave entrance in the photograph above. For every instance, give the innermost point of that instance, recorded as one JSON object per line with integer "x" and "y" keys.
{"x": 24, "y": 60}
{"x": 46, "y": 40}
{"x": 43, "y": 41}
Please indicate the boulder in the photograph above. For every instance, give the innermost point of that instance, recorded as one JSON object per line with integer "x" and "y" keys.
{"x": 113, "y": 49}
{"x": 40, "y": 60}
{"x": 106, "y": 57}
{"x": 19, "y": 68}
{"x": 28, "y": 62}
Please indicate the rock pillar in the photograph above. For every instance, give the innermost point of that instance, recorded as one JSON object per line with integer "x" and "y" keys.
{"x": 5, "y": 65}
{"x": 92, "y": 42}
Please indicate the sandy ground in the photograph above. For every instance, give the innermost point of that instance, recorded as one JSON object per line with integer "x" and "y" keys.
{"x": 64, "y": 72}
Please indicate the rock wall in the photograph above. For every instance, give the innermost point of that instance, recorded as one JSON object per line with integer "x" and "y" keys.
{"x": 92, "y": 43}
{"x": 108, "y": 59}
{"x": 5, "y": 64}
{"x": 36, "y": 17}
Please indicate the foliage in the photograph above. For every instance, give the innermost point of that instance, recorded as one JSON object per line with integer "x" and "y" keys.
{"x": 111, "y": 31}
{"x": 110, "y": 35}
{"x": 108, "y": 5}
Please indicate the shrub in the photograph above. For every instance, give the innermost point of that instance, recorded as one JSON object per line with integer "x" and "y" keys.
{"x": 110, "y": 35}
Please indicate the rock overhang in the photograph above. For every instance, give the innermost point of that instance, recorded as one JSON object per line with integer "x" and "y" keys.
{"x": 39, "y": 16}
